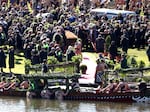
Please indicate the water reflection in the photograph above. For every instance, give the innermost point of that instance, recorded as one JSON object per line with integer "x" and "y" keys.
{"x": 9, "y": 104}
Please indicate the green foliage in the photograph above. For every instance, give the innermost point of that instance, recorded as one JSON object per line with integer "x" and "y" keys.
{"x": 141, "y": 64}
{"x": 145, "y": 79}
{"x": 110, "y": 64}
{"x": 76, "y": 59}
{"x": 122, "y": 75}
{"x": 117, "y": 67}
{"x": 52, "y": 60}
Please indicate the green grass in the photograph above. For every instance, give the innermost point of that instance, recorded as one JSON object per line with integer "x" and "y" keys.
{"x": 139, "y": 55}
{"x": 19, "y": 67}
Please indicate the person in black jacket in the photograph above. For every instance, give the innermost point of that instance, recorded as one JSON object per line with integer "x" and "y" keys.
{"x": 35, "y": 57}
{"x": 43, "y": 54}
{"x": 2, "y": 59}
{"x": 137, "y": 37}
{"x": 124, "y": 43}
{"x": 100, "y": 44}
{"x": 113, "y": 50}
{"x": 148, "y": 50}
{"x": 11, "y": 58}
{"x": 70, "y": 53}
{"x": 44, "y": 67}
{"x": 2, "y": 36}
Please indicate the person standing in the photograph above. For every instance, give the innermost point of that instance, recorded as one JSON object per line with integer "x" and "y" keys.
{"x": 100, "y": 44}
{"x": 70, "y": 53}
{"x": 124, "y": 43}
{"x": 11, "y": 58}
{"x": 43, "y": 55}
{"x": 2, "y": 59}
{"x": 137, "y": 37}
{"x": 99, "y": 74}
{"x": 148, "y": 50}
{"x": 44, "y": 67}
{"x": 35, "y": 59}
{"x": 113, "y": 50}
{"x": 2, "y": 36}
{"x": 82, "y": 34}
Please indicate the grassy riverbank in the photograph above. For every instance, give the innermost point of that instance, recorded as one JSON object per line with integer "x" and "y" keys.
{"x": 19, "y": 59}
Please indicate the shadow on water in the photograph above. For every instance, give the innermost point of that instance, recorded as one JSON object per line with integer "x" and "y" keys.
{"x": 9, "y": 104}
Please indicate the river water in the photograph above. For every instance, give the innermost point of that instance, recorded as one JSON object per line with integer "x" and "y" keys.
{"x": 11, "y": 104}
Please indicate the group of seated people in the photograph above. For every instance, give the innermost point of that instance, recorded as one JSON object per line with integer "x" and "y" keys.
{"x": 11, "y": 83}
{"x": 113, "y": 86}
{"x": 117, "y": 86}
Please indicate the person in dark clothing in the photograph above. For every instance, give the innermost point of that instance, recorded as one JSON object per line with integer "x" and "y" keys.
{"x": 120, "y": 18}
{"x": 59, "y": 39}
{"x": 35, "y": 57}
{"x": 131, "y": 36}
{"x": 69, "y": 53}
{"x": 142, "y": 33}
{"x": 124, "y": 43}
{"x": 113, "y": 50}
{"x": 124, "y": 61}
{"x": 112, "y": 35}
{"x": 117, "y": 33}
{"x": 148, "y": 50}
{"x": 52, "y": 52}
{"x": 127, "y": 4}
{"x": 44, "y": 67}
{"x": 59, "y": 54}
{"x": 2, "y": 59}
{"x": 82, "y": 34}
{"x": 19, "y": 42}
{"x": 100, "y": 44}
{"x": 27, "y": 52}
{"x": 11, "y": 40}
{"x": 2, "y": 36}
{"x": 11, "y": 58}
{"x": 43, "y": 55}
{"x": 137, "y": 38}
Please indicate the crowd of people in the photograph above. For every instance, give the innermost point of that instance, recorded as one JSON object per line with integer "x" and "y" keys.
{"x": 13, "y": 83}
{"x": 40, "y": 36}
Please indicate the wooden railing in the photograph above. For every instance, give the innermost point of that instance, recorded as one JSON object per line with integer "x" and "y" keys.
{"x": 66, "y": 67}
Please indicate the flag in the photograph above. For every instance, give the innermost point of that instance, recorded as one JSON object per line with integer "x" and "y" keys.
{"x": 29, "y": 7}
{"x": 8, "y": 3}
{"x": 142, "y": 12}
